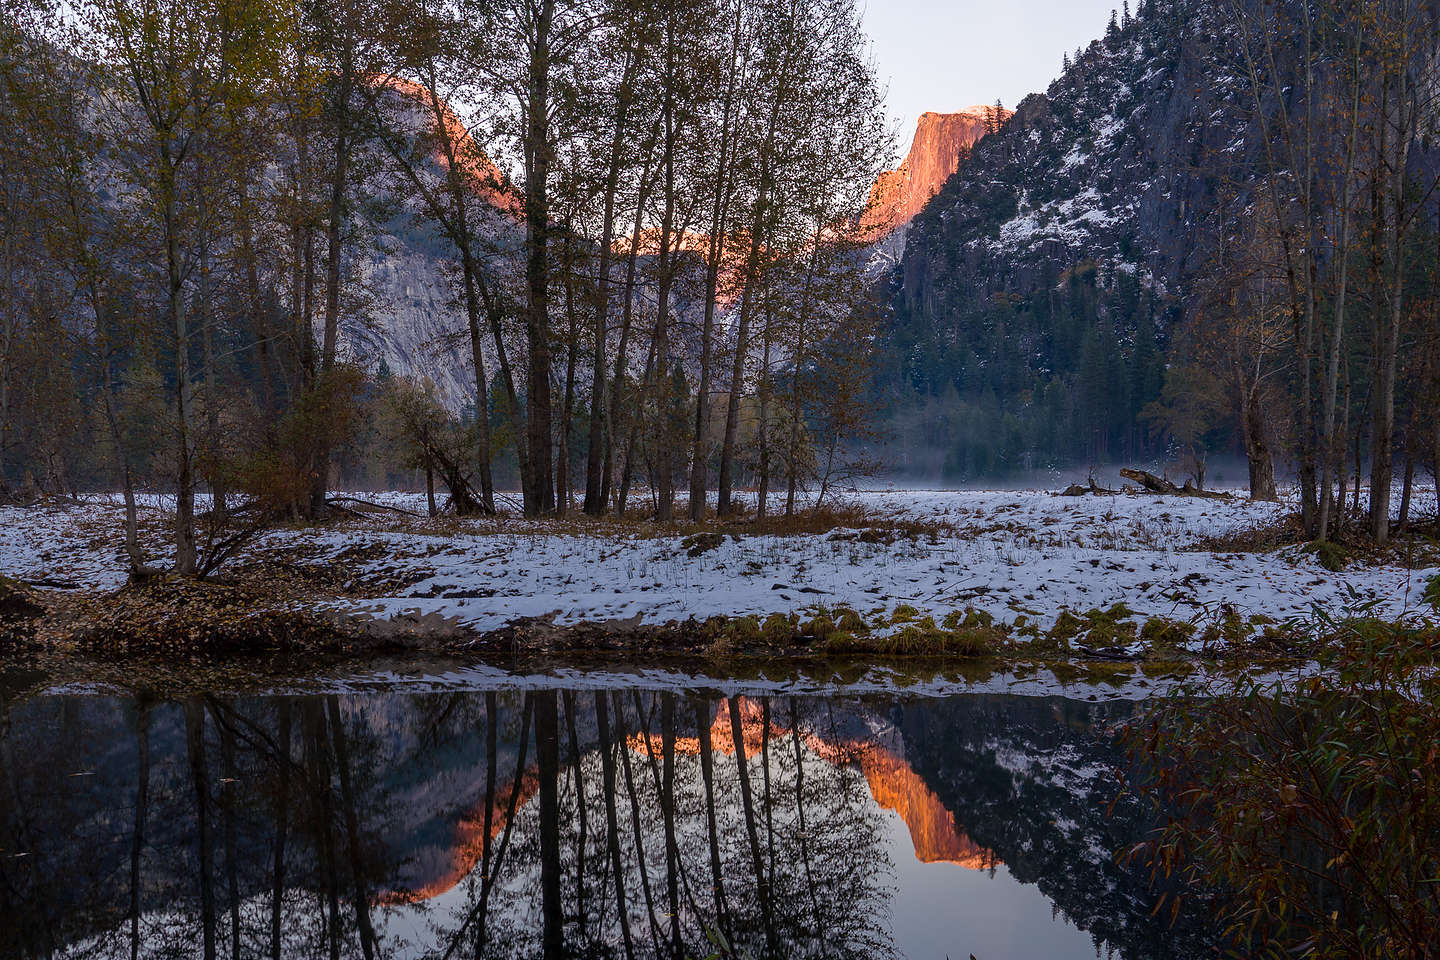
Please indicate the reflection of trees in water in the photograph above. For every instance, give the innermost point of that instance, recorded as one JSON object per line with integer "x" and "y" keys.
{"x": 205, "y": 829}
{"x": 641, "y": 820}
{"x": 497, "y": 824}
{"x": 328, "y": 826}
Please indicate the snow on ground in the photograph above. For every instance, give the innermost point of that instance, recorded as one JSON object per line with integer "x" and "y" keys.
{"x": 1006, "y": 552}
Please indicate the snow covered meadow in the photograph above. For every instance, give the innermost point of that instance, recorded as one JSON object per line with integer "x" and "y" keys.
{"x": 1005, "y": 552}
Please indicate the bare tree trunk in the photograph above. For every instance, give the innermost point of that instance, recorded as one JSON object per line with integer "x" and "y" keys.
{"x": 747, "y": 800}
{"x": 483, "y": 454}
{"x": 1407, "y": 487}
{"x": 471, "y": 279}
{"x": 1435, "y": 458}
{"x": 762, "y": 431}
{"x": 317, "y": 757}
{"x": 185, "y": 560}
{"x": 628, "y": 465}
{"x": 797, "y": 366}
{"x": 752, "y": 263}
{"x": 568, "y": 700}
{"x": 1299, "y": 246}
{"x": 612, "y": 828}
{"x": 340, "y": 173}
{"x": 1355, "y": 509}
{"x": 9, "y": 313}
{"x": 718, "y": 213}
{"x": 707, "y": 772}
{"x": 627, "y": 312}
{"x": 547, "y": 753}
{"x": 430, "y": 484}
{"x": 737, "y": 369}
{"x": 200, "y": 783}
{"x": 207, "y": 343}
{"x": 768, "y": 803}
{"x": 665, "y": 509}
{"x": 282, "y": 826}
{"x": 142, "y": 809}
{"x": 595, "y": 478}
{"x": 133, "y": 553}
{"x": 540, "y": 494}
{"x": 635, "y": 826}
{"x": 227, "y": 799}
{"x": 667, "y": 809}
{"x": 487, "y": 882}
{"x": 567, "y": 405}
{"x": 1257, "y": 448}
{"x": 819, "y": 926}
{"x": 352, "y": 829}
{"x": 1382, "y": 436}
{"x": 258, "y": 314}
{"x": 492, "y": 719}
{"x": 1331, "y": 457}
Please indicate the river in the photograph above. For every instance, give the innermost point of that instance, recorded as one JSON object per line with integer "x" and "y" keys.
{"x": 575, "y": 812}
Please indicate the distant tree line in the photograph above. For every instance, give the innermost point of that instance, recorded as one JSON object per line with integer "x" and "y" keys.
{"x": 1017, "y": 384}
{"x": 646, "y": 210}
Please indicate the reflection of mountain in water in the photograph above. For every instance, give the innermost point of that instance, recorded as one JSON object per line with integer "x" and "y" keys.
{"x": 892, "y": 783}
{"x": 1027, "y": 775}
{"x": 288, "y": 825}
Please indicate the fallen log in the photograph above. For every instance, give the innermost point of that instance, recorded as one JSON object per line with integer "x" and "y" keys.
{"x": 1150, "y": 482}
{"x": 374, "y": 507}
{"x": 1162, "y": 486}
{"x": 50, "y": 583}
{"x": 1082, "y": 490}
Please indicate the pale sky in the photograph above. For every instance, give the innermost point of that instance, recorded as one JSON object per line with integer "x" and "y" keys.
{"x": 944, "y": 55}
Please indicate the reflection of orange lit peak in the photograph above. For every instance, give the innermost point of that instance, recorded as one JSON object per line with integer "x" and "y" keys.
{"x": 932, "y": 827}
{"x": 684, "y": 746}
{"x": 893, "y": 784}
{"x": 469, "y": 847}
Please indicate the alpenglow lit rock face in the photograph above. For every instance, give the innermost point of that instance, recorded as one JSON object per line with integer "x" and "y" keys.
{"x": 941, "y": 139}
{"x": 403, "y": 312}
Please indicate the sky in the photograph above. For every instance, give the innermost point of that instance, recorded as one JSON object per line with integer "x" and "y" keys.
{"x": 944, "y": 55}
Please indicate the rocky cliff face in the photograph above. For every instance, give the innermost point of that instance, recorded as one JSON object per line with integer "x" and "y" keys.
{"x": 407, "y": 315}
{"x": 1107, "y": 166}
{"x": 941, "y": 140}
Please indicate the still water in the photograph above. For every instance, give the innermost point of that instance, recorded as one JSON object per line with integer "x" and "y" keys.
{"x": 500, "y": 815}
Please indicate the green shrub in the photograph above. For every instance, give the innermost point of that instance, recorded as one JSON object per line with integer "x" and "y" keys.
{"x": 1164, "y": 639}
{"x": 777, "y": 629}
{"x": 904, "y": 614}
{"x": 1330, "y": 555}
{"x": 743, "y": 631}
{"x": 819, "y": 626}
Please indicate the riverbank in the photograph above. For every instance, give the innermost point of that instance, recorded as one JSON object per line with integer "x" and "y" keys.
{"x": 1013, "y": 576}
